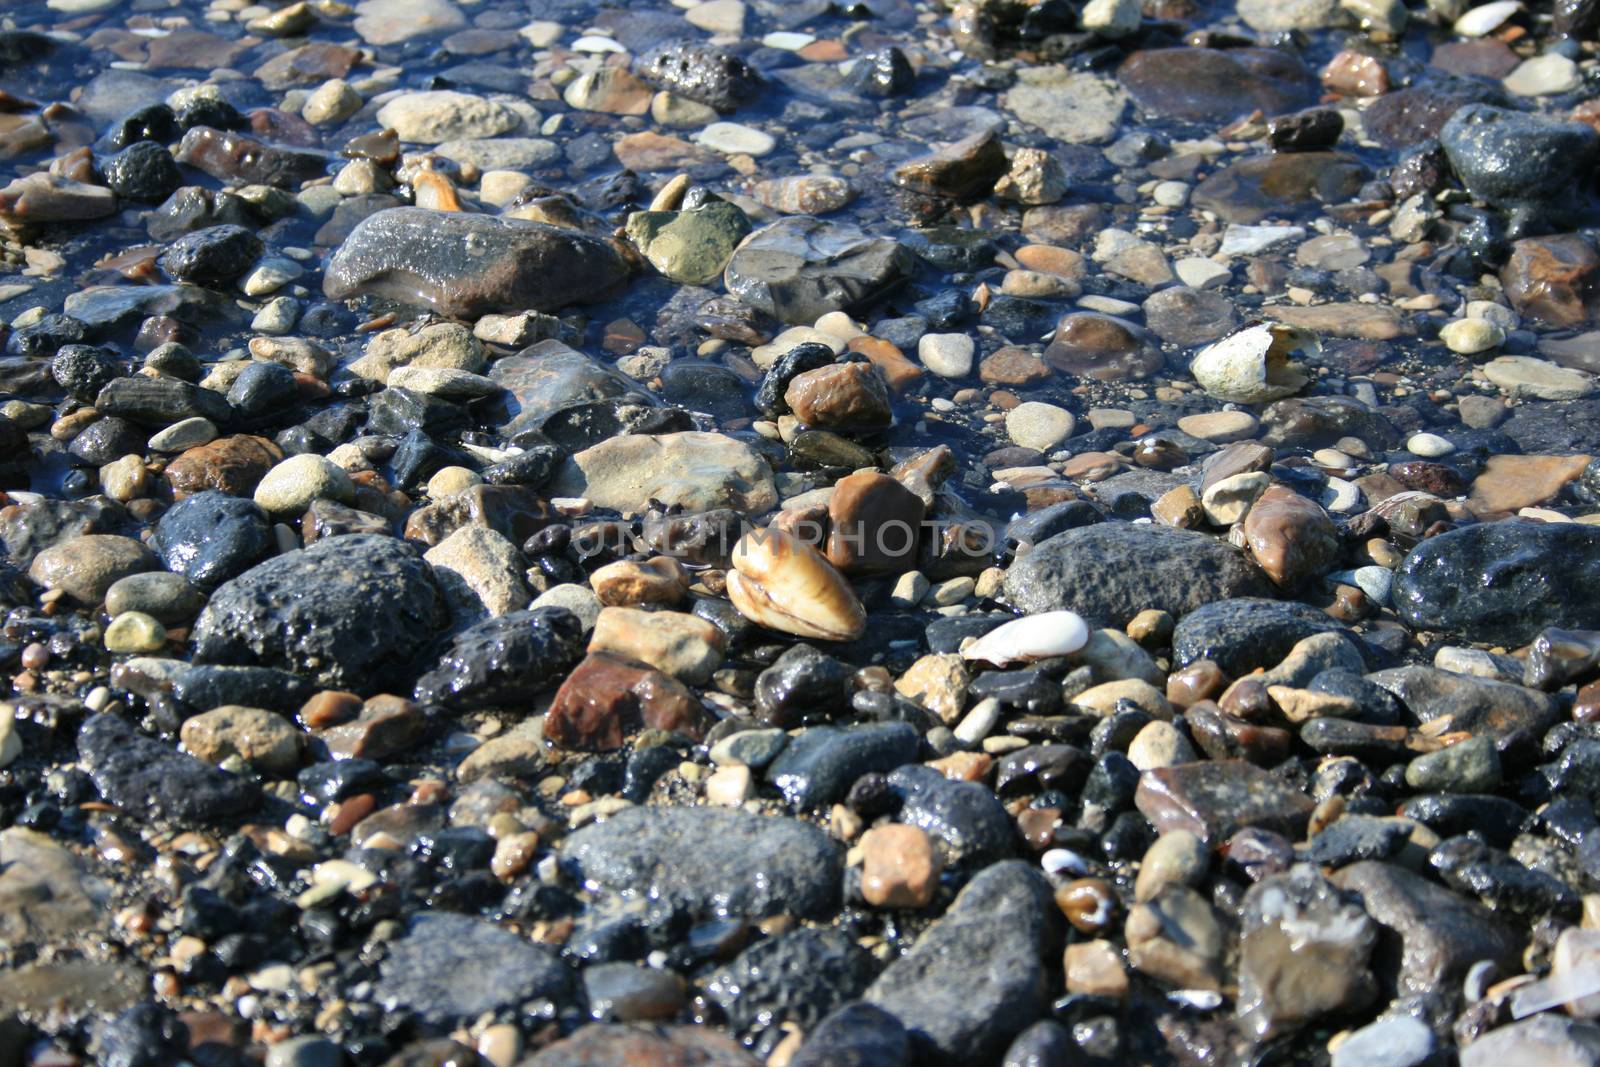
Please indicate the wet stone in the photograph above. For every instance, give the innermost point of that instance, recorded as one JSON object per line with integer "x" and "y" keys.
{"x": 1214, "y": 86}
{"x": 819, "y": 765}
{"x": 419, "y": 257}
{"x": 1214, "y": 800}
{"x": 502, "y": 660}
{"x": 351, "y": 612}
{"x": 144, "y": 776}
{"x": 975, "y": 979}
{"x": 449, "y": 967}
{"x": 799, "y": 269}
{"x": 705, "y": 861}
{"x": 795, "y": 978}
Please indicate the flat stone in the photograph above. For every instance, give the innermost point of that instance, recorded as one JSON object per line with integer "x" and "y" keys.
{"x": 464, "y": 265}
{"x": 709, "y": 861}
{"x": 799, "y": 269}
{"x": 1214, "y": 800}
{"x": 698, "y": 471}
{"x": 448, "y": 967}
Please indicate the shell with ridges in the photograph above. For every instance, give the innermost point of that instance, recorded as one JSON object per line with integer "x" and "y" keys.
{"x": 782, "y": 583}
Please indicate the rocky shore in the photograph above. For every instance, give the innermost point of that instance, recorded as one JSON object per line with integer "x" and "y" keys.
{"x": 801, "y": 533}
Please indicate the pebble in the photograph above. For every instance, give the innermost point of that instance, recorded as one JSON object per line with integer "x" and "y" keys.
{"x": 1039, "y": 426}
{"x": 135, "y": 632}
{"x": 289, "y": 487}
{"x": 949, "y": 355}
{"x": 1468, "y": 337}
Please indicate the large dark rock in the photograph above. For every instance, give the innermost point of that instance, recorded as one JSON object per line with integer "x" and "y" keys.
{"x": 352, "y": 612}
{"x": 819, "y": 765}
{"x": 1111, "y": 571}
{"x": 700, "y": 71}
{"x": 1241, "y": 635}
{"x": 147, "y": 778}
{"x": 965, "y": 819}
{"x": 211, "y": 537}
{"x": 976, "y": 978}
{"x": 798, "y": 269}
{"x": 1502, "y": 582}
{"x": 451, "y": 967}
{"x": 709, "y": 861}
{"x": 504, "y": 660}
{"x": 463, "y": 265}
{"x": 1528, "y": 165}
{"x": 160, "y": 402}
{"x": 1439, "y": 934}
{"x": 213, "y": 256}
{"x": 1251, "y": 189}
{"x": 796, "y": 977}
{"x": 857, "y": 1035}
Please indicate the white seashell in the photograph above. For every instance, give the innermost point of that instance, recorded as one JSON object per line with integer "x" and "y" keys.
{"x": 1198, "y": 999}
{"x": 1486, "y": 18}
{"x": 1251, "y": 366}
{"x": 1063, "y": 861}
{"x": 1051, "y": 633}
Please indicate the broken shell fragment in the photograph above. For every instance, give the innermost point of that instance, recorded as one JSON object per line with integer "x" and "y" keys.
{"x": 1050, "y": 633}
{"x": 782, "y": 583}
{"x": 1251, "y": 366}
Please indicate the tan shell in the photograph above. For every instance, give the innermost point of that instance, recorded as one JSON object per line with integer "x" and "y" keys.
{"x": 783, "y": 584}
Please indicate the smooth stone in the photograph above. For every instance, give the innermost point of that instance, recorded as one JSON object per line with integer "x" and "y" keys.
{"x": 696, "y": 470}
{"x": 708, "y": 860}
{"x": 799, "y": 269}
{"x": 1110, "y": 572}
{"x": 464, "y": 265}
{"x": 448, "y": 967}
{"x": 975, "y": 979}
{"x": 86, "y": 567}
{"x": 291, "y": 486}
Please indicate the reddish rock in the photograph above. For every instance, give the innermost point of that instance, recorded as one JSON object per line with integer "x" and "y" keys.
{"x": 233, "y": 465}
{"x": 387, "y": 726}
{"x": 842, "y": 396}
{"x": 1099, "y": 346}
{"x": 607, "y": 698}
{"x": 1482, "y": 58}
{"x": 900, "y": 867}
{"x": 1013, "y": 366}
{"x": 1510, "y": 483}
{"x": 875, "y": 524}
{"x": 1290, "y": 536}
{"x": 1555, "y": 281}
{"x": 1355, "y": 74}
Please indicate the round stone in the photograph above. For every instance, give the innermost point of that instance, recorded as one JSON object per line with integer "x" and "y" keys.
{"x": 949, "y": 355}
{"x": 1469, "y": 336}
{"x": 1428, "y": 445}
{"x": 1220, "y": 427}
{"x": 135, "y": 632}
{"x": 732, "y": 138}
{"x": 1039, "y": 426}
{"x": 448, "y": 481}
{"x": 291, "y": 486}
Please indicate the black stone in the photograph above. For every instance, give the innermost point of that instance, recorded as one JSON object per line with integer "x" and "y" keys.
{"x": 504, "y": 660}
{"x": 857, "y": 1035}
{"x": 809, "y": 355}
{"x": 83, "y": 370}
{"x": 819, "y": 765}
{"x": 700, "y": 71}
{"x": 1502, "y": 582}
{"x": 968, "y": 822}
{"x": 213, "y": 256}
{"x": 453, "y": 967}
{"x": 144, "y": 171}
{"x": 703, "y": 862}
{"x": 802, "y": 684}
{"x": 797, "y": 977}
{"x": 263, "y": 392}
{"x": 1245, "y": 633}
{"x": 352, "y": 612}
{"x": 147, "y": 778}
{"x": 212, "y": 537}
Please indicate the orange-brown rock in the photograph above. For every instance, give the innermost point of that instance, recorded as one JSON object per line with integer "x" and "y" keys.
{"x": 1555, "y": 281}
{"x": 1356, "y": 74}
{"x": 1510, "y": 483}
{"x": 897, "y": 370}
{"x": 841, "y": 396}
{"x": 606, "y": 698}
{"x": 234, "y": 465}
{"x": 1107, "y": 349}
{"x": 900, "y": 867}
{"x": 1013, "y": 366}
{"x": 875, "y": 523}
{"x": 1290, "y": 536}
{"x": 658, "y": 580}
